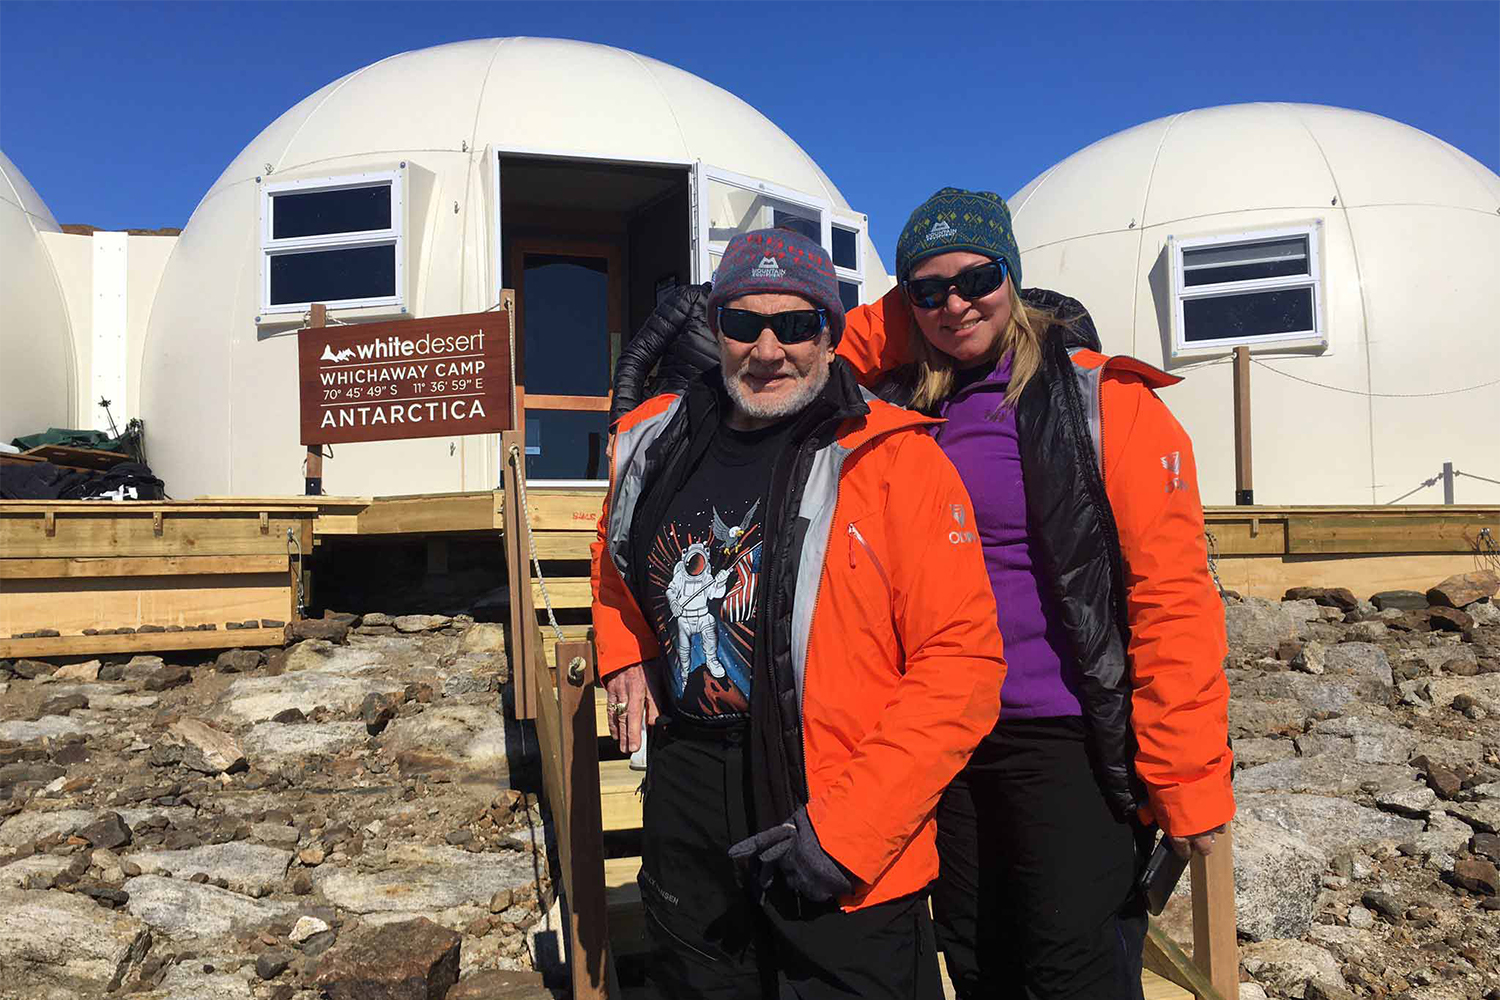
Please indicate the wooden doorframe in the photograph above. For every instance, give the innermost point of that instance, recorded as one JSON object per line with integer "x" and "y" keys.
{"x": 614, "y": 256}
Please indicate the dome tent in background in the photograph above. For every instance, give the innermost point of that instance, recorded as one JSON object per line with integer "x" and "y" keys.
{"x": 578, "y": 131}
{"x": 1368, "y": 255}
{"x": 42, "y": 392}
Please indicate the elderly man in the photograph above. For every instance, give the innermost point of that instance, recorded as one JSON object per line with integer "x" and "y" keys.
{"x": 788, "y": 568}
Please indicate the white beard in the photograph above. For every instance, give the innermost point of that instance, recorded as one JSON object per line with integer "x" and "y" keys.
{"x": 781, "y": 405}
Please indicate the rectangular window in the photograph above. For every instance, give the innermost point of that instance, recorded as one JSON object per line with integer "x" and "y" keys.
{"x": 1247, "y": 288}
{"x": 334, "y": 240}
{"x": 847, "y": 260}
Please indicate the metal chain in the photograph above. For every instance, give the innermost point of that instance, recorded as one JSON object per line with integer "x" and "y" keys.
{"x": 518, "y": 462}
{"x": 1213, "y": 561}
{"x": 294, "y": 547}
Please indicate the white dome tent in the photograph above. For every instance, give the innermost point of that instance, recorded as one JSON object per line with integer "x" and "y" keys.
{"x": 512, "y": 162}
{"x": 1358, "y": 258}
{"x": 38, "y": 387}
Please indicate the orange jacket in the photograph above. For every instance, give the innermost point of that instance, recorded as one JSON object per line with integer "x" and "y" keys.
{"x": 1179, "y": 697}
{"x": 903, "y": 662}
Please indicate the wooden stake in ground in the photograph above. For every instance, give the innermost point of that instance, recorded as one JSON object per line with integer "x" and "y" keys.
{"x": 313, "y": 483}
{"x": 1244, "y": 491}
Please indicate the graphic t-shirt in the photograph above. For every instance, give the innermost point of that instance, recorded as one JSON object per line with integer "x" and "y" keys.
{"x": 703, "y": 574}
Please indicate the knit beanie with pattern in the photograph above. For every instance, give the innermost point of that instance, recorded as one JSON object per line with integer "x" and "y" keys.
{"x": 777, "y": 260}
{"x": 955, "y": 219}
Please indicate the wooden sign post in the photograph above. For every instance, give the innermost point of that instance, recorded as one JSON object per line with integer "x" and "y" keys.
{"x": 1244, "y": 490}
{"x": 313, "y": 476}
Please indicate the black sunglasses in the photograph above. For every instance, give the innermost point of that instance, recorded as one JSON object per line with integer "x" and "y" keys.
{"x": 795, "y": 327}
{"x": 971, "y": 283}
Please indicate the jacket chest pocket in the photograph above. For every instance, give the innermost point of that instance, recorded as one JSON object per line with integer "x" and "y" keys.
{"x": 864, "y": 543}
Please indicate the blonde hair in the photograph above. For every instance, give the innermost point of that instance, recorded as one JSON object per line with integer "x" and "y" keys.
{"x": 1021, "y": 338}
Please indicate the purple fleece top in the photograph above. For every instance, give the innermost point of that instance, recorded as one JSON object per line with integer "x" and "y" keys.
{"x": 980, "y": 439}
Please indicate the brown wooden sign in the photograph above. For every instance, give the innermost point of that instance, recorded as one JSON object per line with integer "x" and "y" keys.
{"x": 413, "y": 378}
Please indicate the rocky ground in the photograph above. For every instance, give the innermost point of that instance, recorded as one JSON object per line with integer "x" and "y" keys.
{"x": 312, "y": 821}
{"x": 349, "y": 811}
{"x": 1366, "y": 735}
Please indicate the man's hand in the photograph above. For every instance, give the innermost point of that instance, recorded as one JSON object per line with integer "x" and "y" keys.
{"x": 627, "y": 696}
{"x": 792, "y": 849}
{"x": 1202, "y": 843}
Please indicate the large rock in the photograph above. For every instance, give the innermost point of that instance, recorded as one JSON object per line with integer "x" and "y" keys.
{"x": 1464, "y": 588}
{"x": 16, "y": 874}
{"x": 424, "y": 879}
{"x": 1399, "y": 600}
{"x": 1252, "y": 716}
{"x": 1460, "y": 755}
{"x": 1255, "y": 750}
{"x": 1483, "y": 816}
{"x": 1360, "y": 659}
{"x": 316, "y": 628}
{"x": 409, "y": 960}
{"x": 1327, "y": 823}
{"x": 24, "y": 827}
{"x": 1288, "y": 966}
{"x": 187, "y": 979}
{"x": 276, "y": 747}
{"x": 470, "y": 735}
{"x": 1483, "y": 688}
{"x": 1328, "y": 597}
{"x": 1325, "y": 774}
{"x": 421, "y": 623}
{"x": 67, "y": 938}
{"x": 205, "y": 748}
{"x": 190, "y": 909}
{"x": 49, "y": 727}
{"x": 484, "y": 638}
{"x": 1277, "y": 877}
{"x": 256, "y": 699}
{"x": 1257, "y": 626}
{"x": 1332, "y": 695}
{"x": 1368, "y": 740}
{"x": 253, "y": 869}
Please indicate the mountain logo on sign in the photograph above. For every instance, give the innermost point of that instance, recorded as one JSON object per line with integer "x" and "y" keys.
{"x": 330, "y": 355}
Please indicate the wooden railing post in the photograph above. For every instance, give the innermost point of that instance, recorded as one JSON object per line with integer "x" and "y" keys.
{"x": 592, "y": 965}
{"x": 518, "y": 576}
{"x": 1216, "y": 949}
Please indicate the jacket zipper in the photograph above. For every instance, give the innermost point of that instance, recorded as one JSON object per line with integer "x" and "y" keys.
{"x": 855, "y": 536}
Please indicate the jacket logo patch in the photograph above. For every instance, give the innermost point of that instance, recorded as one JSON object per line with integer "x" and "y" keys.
{"x": 1173, "y": 464}
{"x": 768, "y": 268}
{"x": 959, "y": 536}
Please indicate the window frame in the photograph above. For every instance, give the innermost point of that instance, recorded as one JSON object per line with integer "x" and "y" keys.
{"x": 707, "y": 174}
{"x": 855, "y": 224}
{"x": 1314, "y": 280}
{"x": 394, "y": 236}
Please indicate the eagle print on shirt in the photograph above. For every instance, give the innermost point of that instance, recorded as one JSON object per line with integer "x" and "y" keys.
{"x": 704, "y": 581}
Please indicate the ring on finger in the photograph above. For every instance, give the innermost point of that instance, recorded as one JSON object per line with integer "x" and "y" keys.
{"x": 618, "y": 708}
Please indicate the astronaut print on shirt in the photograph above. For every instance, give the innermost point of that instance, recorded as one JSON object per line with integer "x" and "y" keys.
{"x": 703, "y": 570}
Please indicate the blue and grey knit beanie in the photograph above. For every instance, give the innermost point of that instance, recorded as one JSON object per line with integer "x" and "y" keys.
{"x": 955, "y": 219}
{"x": 777, "y": 260}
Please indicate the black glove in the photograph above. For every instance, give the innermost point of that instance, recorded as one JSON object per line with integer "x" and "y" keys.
{"x": 792, "y": 849}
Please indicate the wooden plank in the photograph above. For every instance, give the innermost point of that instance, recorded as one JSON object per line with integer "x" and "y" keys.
{"x": 93, "y": 533}
{"x": 92, "y": 459}
{"x": 126, "y": 508}
{"x": 1272, "y": 576}
{"x": 72, "y": 605}
{"x": 1246, "y": 536}
{"x": 1389, "y": 534}
{"x": 43, "y": 569}
{"x": 619, "y": 796}
{"x": 1170, "y": 964}
{"x": 460, "y": 512}
{"x": 1243, "y": 476}
{"x": 564, "y": 509}
{"x": 148, "y": 642}
{"x": 563, "y": 544}
{"x": 627, "y": 921}
{"x": 592, "y": 965}
{"x": 1216, "y": 949}
{"x": 566, "y": 592}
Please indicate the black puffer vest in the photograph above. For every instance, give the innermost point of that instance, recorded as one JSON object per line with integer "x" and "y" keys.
{"x": 1073, "y": 536}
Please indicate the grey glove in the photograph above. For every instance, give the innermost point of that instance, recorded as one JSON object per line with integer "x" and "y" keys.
{"x": 792, "y": 849}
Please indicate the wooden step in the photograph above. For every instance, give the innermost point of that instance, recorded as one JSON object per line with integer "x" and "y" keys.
{"x": 620, "y": 803}
{"x": 627, "y": 932}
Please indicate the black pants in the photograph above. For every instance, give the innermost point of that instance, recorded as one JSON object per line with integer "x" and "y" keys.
{"x": 712, "y": 933}
{"x": 1036, "y": 898}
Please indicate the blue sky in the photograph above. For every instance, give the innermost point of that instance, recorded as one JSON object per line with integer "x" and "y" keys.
{"x": 123, "y": 114}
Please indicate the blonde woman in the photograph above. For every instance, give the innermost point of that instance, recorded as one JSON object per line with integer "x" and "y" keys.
{"x": 1114, "y": 711}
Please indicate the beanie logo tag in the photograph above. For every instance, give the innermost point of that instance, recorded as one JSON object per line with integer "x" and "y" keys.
{"x": 768, "y": 268}
{"x": 940, "y": 231}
